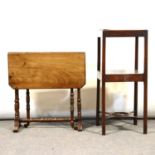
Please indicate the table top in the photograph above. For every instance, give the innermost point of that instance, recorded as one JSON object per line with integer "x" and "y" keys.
{"x": 45, "y": 70}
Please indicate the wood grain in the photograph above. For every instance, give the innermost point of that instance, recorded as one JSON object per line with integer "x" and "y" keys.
{"x": 45, "y": 70}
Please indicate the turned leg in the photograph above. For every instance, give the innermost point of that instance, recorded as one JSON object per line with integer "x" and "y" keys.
{"x": 135, "y": 102}
{"x": 27, "y": 107}
{"x": 16, "y": 106}
{"x": 79, "y": 127}
{"x": 72, "y": 107}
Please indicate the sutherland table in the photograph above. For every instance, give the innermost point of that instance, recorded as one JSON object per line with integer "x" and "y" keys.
{"x": 46, "y": 70}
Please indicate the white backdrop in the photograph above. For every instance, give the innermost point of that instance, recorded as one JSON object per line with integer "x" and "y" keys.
{"x": 71, "y": 25}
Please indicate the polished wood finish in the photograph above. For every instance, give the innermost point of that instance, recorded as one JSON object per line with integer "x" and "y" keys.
{"x": 124, "y": 77}
{"x": 46, "y": 70}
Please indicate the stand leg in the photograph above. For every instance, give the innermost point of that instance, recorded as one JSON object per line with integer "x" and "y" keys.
{"x": 72, "y": 107}
{"x": 27, "y": 107}
{"x": 136, "y": 83}
{"x": 98, "y": 103}
{"x": 135, "y": 102}
{"x": 17, "y": 119}
{"x": 145, "y": 108}
{"x": 103, "y": 109}
{"x": 98, "y": 81}
{"x": 79, "y": 110}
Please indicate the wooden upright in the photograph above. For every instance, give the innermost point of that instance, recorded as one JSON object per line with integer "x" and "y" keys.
{"x": 46, "y": 70}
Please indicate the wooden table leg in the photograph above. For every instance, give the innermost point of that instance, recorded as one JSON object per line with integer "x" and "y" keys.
{"x": 27, "y": 107}
{"x": 79, "y": 127}
{"x": 17, "y": 119}
{"x": 72, "y": 107}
